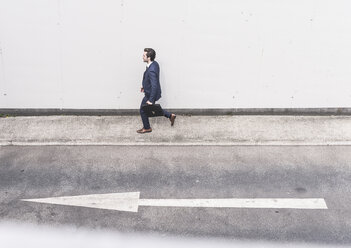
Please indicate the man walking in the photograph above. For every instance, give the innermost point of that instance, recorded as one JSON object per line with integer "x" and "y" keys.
{"x": 151, "y": 88}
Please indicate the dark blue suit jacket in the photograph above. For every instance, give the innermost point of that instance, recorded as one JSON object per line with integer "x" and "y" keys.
{"x": 151, "y": 82}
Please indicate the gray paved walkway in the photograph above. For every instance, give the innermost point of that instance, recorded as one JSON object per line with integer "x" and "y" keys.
{"x": 188, "y": 130}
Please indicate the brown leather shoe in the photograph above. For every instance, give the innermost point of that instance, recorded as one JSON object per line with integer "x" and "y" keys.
{"x": 172, "y": 119}
{"x": 143, "y": 130}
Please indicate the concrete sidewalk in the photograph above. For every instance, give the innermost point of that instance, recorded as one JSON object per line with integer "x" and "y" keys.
{"x": 188, "y": 130}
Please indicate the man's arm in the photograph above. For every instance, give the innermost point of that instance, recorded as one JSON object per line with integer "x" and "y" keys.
{"x": 153, "y": 81}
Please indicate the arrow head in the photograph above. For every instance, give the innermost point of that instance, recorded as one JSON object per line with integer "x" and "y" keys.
{"x": 117, "y": 201}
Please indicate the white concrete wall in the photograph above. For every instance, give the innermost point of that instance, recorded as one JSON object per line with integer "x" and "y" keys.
{"x": 213, "y": 53}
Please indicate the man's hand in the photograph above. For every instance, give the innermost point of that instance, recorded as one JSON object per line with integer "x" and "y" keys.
{"x": 148, "y": 102}
{"x": 141, "y": 89}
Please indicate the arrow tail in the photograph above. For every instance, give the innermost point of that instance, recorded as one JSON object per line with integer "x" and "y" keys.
{"x": 293, "y": 203}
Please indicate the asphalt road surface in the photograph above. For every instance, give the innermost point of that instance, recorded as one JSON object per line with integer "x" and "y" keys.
{"x": 192, "y": 172}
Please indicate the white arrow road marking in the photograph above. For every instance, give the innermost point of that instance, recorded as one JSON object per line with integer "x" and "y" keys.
{"x": 130, "y": 202}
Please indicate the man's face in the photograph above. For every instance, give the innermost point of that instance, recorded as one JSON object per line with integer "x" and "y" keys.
{"x": 145, "y": 58}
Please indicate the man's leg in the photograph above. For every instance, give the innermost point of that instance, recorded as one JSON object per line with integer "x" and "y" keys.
{"x": 166, "y": 114}
{"x": 144, "y": 118}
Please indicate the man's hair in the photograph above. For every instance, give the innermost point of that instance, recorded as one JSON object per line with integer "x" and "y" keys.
{"x": 150, "y": 53}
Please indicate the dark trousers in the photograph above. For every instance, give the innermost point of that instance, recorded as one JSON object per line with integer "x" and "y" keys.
{"x": 144, "y": 117}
